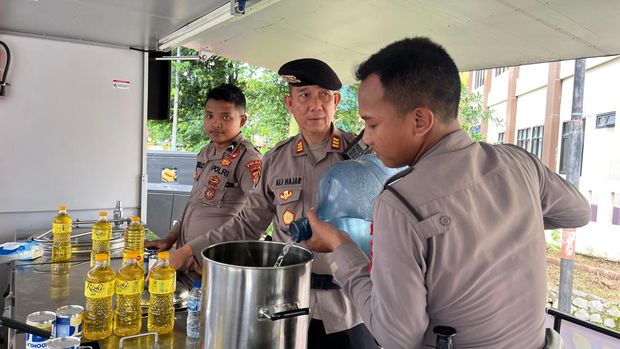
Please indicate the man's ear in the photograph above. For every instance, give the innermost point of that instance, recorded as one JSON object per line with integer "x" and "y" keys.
{"x": 288, "y": 103}
{"x": 424, "y": 120}
{"x": 337, "y": 98}
{"x": 244, "y": 119}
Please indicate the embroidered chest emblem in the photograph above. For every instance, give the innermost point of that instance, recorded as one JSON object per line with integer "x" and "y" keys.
{"x": 214, "y": 181}
{"x": 226, "y": 162}
{"x": 210, "y": 194}
{"x": 288, "y": 217}
{"x": 285, "y": 195}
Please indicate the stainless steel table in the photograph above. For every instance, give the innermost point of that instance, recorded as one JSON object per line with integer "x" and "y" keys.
{"x": 41, "y": 285}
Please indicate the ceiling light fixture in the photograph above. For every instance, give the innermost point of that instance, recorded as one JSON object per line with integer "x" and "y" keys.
{"x": 208, "y": 21}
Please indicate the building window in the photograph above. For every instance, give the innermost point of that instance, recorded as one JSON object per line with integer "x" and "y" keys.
{"x": 500, "y": 138}
{"x": 478, "y": 78}
{"x": 499, "y": 71}
{"x": 537, "y": 141}
{"x": 565, "y": 145}
{"x": 523, "y": 138}
{"x": 606, "y": 120}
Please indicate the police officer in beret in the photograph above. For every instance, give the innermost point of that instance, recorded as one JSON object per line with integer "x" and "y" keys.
{"x": 287, "y": 190}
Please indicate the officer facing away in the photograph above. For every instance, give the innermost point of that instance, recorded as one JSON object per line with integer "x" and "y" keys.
{"x": 458, "y": 237}
{"x": 287, "y": 190}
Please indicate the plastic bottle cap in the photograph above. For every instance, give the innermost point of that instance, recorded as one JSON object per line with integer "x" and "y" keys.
{"x": 163, "y": 255}
{"x": 101, "y": 257}
{"x": 62, "y": 208}
{"x": 103, "y": 214}
{"x": 131, "y": 255}
{"x": 135, "y": 219}
{"x": 197, "y": 284}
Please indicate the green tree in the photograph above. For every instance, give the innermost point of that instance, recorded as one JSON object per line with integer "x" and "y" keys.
{"x": 268, "y": 120}
{"x": 347, "y": 114}
{"x": 196, "y": 79}
{"x": 472, "y": 113}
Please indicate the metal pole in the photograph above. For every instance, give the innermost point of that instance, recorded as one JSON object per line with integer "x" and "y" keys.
{"x": 573, "y": 172}
{"x": 175, "y": 113}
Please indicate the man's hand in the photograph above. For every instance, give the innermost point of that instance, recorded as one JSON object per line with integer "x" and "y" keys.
{"x": 179, "y": 258}
{"x": 163, "y": 244}
{"x": 325, "y": 237}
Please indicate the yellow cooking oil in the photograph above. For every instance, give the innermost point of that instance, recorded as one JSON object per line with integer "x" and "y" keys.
{"x": 134, "y": 239}
{"x": 102, "y": 233}
{"x": 129, "y": 285}
{"x": 99, "y": 289}
{"x": 61, "y": 235}
{"x": 162, "y": 284}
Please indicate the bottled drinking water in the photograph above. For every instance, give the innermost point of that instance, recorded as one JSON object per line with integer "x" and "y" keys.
{"x": 346, "y": 196}
{"x": 193, "y": 310}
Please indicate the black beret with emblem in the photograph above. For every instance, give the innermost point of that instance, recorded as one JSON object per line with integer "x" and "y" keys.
{"x": 310, "y": 71}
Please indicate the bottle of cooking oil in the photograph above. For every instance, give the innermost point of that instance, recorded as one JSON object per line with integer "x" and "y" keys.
{"x": 162, "y": 284}
{"x": 102, "y": 233}
{"x": 134, "y": 239}
{"x": 99, "y": 289}
{"x": 61, "y": 230}
{"x": 129, "y": 285}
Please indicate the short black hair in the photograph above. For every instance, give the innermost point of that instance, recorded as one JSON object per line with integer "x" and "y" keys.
{"x": 415, "y": 72}
{"x": 228, "y": 93}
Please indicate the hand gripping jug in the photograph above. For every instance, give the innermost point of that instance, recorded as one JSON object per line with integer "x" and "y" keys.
{"x": 346, "y": 197}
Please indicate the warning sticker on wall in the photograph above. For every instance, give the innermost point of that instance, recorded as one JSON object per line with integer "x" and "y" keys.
{"x": 121, "y": 84}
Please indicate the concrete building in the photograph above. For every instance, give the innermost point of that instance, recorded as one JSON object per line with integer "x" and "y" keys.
{"x": 532, "y": 107}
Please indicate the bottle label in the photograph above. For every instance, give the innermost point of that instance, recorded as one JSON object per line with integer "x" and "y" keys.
{"x": 98, "y": 289}
{"x": 101, "y": 234}
{"x": 193, "y": 305}
{"x": 129, "y": 287}
{"x": 60, "y": 228}
{"x": 162, "y": 286}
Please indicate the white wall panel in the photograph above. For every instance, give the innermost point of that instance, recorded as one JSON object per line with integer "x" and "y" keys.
{"x": 67, "y": 135}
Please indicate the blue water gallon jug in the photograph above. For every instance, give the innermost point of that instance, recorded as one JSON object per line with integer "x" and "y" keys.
{"x": 347, "y": 191}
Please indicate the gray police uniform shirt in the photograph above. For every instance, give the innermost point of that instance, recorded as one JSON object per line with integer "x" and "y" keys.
{"x": 287, "y": 189}
{"x": 476, "y": 261}
{"x": 221, "y": 182}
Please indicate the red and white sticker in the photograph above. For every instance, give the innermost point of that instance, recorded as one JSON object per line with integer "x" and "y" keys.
{"x": 121, "y": 84}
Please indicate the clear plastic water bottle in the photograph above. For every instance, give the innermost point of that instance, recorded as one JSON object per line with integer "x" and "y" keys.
{"x": 346, "y": 196}
{"x": 193, "y": 310}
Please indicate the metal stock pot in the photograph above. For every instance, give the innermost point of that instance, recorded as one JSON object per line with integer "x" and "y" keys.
{"x": 247, "y": 303}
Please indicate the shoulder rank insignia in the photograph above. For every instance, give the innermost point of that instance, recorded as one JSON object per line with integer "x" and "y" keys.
{"x": 210, "y": 193}
{"x": 286, "y": 194}
{"x": 213, "y": 181}
{"x": 335, "y": 142}
{"x": 300, "y": 147}
{"x": 288, "y": 217}
{"x": 254, "y": 167}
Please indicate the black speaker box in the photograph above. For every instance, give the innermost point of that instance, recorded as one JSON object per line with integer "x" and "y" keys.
{"x": 158, "y": 107}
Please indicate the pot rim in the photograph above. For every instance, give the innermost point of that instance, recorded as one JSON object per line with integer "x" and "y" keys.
{"x": 288, "y": 266}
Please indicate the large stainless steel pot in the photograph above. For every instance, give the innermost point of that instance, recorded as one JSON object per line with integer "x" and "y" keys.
{"x": 250, "y": 304}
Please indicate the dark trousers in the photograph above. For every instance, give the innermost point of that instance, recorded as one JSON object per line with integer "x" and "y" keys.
{"x": 357, "y": 337}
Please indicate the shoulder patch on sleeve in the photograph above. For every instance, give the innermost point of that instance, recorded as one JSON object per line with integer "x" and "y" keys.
{"x": 254, "y": 167}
